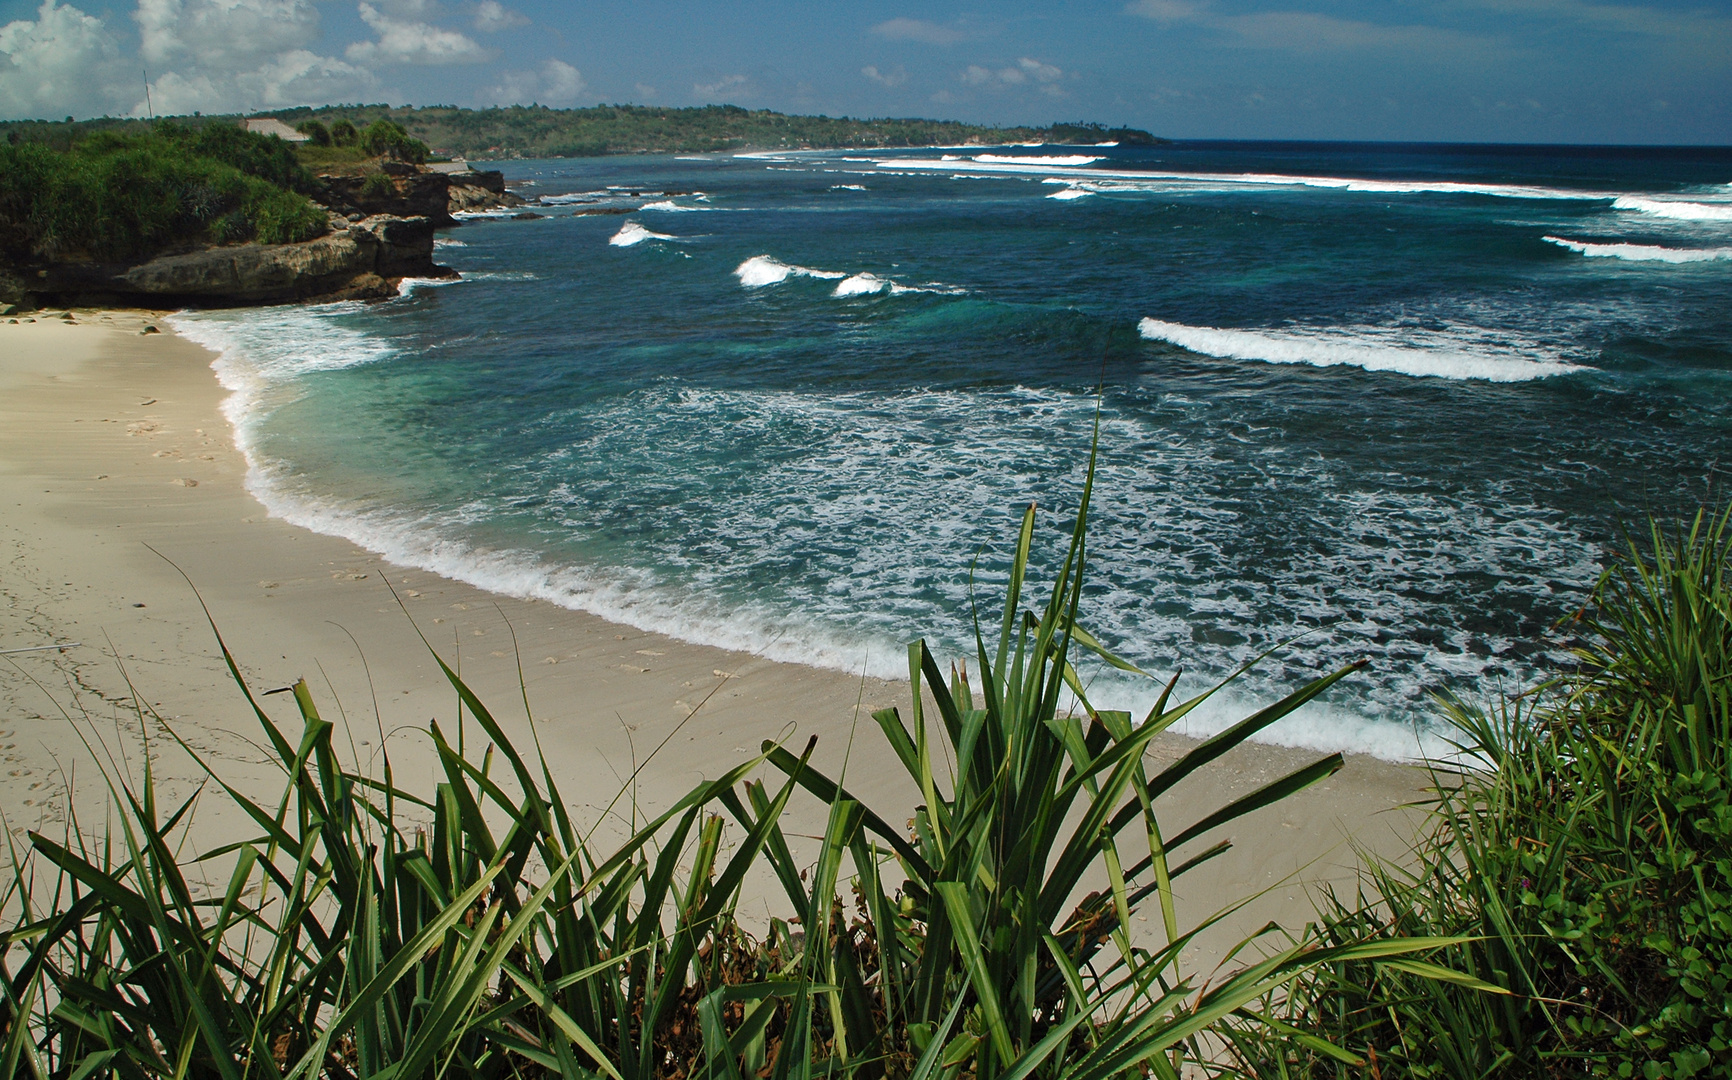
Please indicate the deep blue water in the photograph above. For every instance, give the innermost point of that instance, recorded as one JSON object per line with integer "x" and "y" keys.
{"x": 1388, "y": 401}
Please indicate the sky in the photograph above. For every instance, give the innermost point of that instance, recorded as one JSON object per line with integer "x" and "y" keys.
{"x": 1545, "y": 71}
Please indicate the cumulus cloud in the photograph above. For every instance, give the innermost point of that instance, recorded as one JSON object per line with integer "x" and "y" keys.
{"x": 491, "y": 17}
{"x": 223, "y": 35}
{"x": 892, "y": 78}
{"x": 63, "y": 61}
{"x": 406, "y": 41}
{"x": 918, "y": 30}
{"x": 554, "y": 83}
{"x": 229, "y": 55}
{"x": 1025, "y": 71}
{"x": 727, "y": 84}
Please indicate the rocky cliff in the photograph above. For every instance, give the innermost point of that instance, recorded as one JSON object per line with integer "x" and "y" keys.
{"x": 381, "y": 231}
{"x": 361, "y": 260}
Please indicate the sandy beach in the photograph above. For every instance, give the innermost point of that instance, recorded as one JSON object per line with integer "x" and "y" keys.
{"x": 118, "y": 472}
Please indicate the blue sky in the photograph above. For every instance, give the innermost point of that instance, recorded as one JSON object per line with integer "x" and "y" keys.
{"x": 1461, "y": 70}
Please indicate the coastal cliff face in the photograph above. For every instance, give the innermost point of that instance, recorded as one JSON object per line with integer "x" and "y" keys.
{"x": 405, "y": 191}
{"x": 380, "y": 231}
{"x": 361, "y": 260}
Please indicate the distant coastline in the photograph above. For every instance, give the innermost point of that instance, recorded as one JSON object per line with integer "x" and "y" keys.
{"x": 534, "y": 131}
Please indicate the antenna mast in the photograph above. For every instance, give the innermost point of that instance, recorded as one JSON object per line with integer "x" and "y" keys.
{"x": 148, "y": 111}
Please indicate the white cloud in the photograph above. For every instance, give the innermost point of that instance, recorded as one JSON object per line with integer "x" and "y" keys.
{"x": 226, "y": 36}
{"x": 1038, "y": 71}
{"x": 646, "y": 91}
{"x": 239, "y": 55}
{"x": 892, "y": 78}
{"x": 727, "y": 84}
{"x": 491, "y": 17}
{"x": 555, "y": 83}
{"x": 1024, "y": 71}
{"x": 918, "y": 30}
{"x": 62, "y": 62}
{"x": 404, "y": 41}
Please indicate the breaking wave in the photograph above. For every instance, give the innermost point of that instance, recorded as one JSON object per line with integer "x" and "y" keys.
{"x": 1466, "y": 354}
{"x": 1641, "y": 252}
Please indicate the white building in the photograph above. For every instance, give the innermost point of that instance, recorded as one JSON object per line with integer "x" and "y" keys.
{"x": 275, "y": 127}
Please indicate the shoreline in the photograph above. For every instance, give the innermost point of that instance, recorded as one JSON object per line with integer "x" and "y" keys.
{"x": 112, "y": 440}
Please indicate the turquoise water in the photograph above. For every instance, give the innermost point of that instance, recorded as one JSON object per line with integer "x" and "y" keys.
{"x": 1374, "y": 401}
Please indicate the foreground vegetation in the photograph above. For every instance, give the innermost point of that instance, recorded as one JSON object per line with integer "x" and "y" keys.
{"x": 114, "y": 196}
{"x": 1569, "y": 911}
{"x": 368, "y": 930}
{"x": 1583, "y": 856}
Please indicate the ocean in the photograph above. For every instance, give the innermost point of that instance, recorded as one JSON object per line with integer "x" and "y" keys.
{"x": 1355, "y": 401}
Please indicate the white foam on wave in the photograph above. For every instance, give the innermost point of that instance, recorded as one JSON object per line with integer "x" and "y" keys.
{"x": 1059, "y": 161}
{"x": 1071, "y": 193}
{"x": 447, "y": 242}
{"x": 847, "y": 187}
{"x": 761, "y": 270}
{"x": 1676, "y": 209}
{"x": 1642, "y": 252}
{"x": 574, "y": 197}
{"x": 1466, "y": 354}
{"x": 860, "y": 285}
{"x": 261, "y": 355}
{"x": 632, "y": 233}
{"x": 670, "y": 206}
{"x": 1166, "y": 181}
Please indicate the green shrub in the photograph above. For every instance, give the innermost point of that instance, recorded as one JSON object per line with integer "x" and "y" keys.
{"x": 316, "y": 133}
{"x": 378, "y": 186}
{"x": 1585, "y": 851}
{"x": 384, "y": 137}
{"x": 343, "y": 133}
{"x": 117, "y": 197}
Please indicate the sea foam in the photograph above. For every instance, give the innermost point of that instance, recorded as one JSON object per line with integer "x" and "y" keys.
{"x": 761, "y": 270}
{"x": 1071, "y": 161}
{"x": 860, "y": 285}
{"x": 1642, "y": 252}
{"x": 1407, "y": 352}
{"x": 632, "y": 233}
{"x": 1676, "y": 209}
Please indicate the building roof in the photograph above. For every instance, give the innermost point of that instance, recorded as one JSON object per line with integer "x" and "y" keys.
{"x": 275, "y": 127}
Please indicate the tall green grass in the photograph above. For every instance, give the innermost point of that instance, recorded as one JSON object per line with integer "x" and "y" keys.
{"x": 368, "y": 930}
{"x": 1583, "y": 850}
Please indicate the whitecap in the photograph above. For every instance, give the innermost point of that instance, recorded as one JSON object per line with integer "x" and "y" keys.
{"x": 1676, "y": 209}
{"x": 761, "y": 270}
{"x": 447, "y": 242}
{"x": 574, "y": 197}
{"x": 632, "y": 233}
{"x": 1167, "y": 181}
{"x": 1059, "y": 161}
{"x": 1071, "y": 193}
{"x": 860, "y": 285}
{"x": 1641, "y": 252}
{"x": 672, "y": 207}
{"x": 847, "y": 187}
{"x": 1468, "y": 354}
